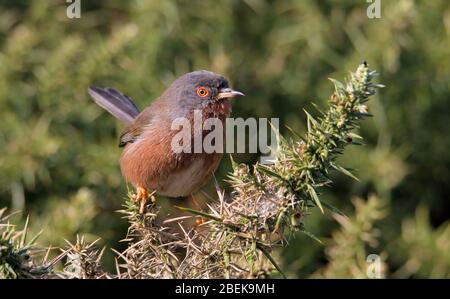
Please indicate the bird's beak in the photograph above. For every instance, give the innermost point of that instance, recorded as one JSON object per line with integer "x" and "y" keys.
{"x": 226, "y": 93}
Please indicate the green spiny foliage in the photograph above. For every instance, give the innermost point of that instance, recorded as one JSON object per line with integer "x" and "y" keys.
{"x": 83, "y": 260}
{"x": 423, "y": 251}
{"x": 152, "y": 248}
{"x": 16, "y": 253}
{"x": 358, "y": 237}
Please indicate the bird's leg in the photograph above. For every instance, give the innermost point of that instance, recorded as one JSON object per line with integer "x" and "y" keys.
{"x": 152, "y": 197}
{"x": 194, "y": 202}
{"x": 141, "y": 196}
{"x": 201, "y": 220}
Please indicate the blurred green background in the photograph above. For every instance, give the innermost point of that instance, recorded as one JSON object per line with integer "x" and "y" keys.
{"x": 59, "y": 154}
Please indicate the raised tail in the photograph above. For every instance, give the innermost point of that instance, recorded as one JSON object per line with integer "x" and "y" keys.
{"x": 116, "y": 103}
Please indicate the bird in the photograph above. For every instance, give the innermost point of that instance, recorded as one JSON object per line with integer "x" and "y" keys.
{"x": 148, "y": 161}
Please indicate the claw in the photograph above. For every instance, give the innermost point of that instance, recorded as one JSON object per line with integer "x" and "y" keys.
{"x": 199, "y": 221}
{"x": 141, "y": 196}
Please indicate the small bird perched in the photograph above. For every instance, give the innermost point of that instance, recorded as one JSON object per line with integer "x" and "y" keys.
{"x": 148, "y": 161}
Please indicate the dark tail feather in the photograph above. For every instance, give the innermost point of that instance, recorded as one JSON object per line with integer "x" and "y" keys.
{"x": 116, "y": 103}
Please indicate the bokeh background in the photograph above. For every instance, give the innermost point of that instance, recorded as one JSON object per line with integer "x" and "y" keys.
{"x": 59, "y": 154}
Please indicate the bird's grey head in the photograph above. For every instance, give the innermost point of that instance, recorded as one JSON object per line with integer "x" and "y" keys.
{"x": 196, "y": 89}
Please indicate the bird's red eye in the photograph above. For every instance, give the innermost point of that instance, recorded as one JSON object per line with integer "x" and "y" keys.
{"x": 202, "y": 92}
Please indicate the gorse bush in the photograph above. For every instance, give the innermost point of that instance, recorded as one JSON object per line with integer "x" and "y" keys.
{"x": 268, "y": 203}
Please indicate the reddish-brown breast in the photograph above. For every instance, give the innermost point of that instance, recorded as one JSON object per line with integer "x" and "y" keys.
{"x": 150, "y": 162}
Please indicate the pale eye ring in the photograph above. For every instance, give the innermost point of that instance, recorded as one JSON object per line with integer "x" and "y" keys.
{"x": 202, "y": 92}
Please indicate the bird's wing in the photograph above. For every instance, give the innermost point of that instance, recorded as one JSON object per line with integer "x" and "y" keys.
{"x": 116, "y": 103}
{"x": 136, "y": 127}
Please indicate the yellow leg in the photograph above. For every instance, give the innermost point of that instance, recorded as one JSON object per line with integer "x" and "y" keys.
{"x": 201, "y": 220}
{"x": 152, "y": 197}
{"x": 141, "y": 196}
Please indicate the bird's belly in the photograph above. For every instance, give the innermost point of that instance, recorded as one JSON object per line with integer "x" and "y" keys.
{"x": 184, "y": 181}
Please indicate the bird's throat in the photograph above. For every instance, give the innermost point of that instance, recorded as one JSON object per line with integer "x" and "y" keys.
{"x": 216, "y": 109}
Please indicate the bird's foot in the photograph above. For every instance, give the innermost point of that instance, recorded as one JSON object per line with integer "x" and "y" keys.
{"x": 141, "y": 196}
{"x": 200, "y": 221}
